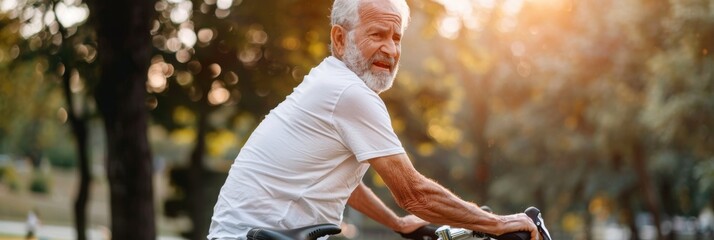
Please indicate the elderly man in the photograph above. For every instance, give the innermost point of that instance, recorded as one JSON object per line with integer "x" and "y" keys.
{"x": 305, "y": 161}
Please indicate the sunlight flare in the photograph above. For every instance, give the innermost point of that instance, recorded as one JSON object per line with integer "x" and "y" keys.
{"x": 71, "y": 15}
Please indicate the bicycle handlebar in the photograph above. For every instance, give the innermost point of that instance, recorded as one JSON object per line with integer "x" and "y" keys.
{"x": 448, "y": 233}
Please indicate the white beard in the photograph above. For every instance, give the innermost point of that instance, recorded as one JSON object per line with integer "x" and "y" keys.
{"x": 378, "y": 82}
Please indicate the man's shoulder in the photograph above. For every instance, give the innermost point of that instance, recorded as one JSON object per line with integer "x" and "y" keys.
{"x": 358, "y": 94}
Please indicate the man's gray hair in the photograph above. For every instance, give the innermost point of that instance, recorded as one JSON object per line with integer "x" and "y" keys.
{"x": 346, "y": 13}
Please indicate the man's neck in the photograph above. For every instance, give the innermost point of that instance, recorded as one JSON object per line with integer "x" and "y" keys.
{"x": 338, "y": 57}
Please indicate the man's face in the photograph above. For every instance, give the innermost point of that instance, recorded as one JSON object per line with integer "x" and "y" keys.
{"x": 373, "y": 47}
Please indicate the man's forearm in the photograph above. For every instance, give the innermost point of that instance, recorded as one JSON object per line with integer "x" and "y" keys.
{"x": 444, "y": 207}
{"x": 366, "y": 202}
{"x": 438, "y": 205}
{"x": 432, "y": 202}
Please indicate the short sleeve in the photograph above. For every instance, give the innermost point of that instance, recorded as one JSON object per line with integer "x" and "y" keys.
{"x": 362, "y": 121}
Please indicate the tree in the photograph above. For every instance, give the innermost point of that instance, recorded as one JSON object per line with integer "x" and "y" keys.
{"x": 65, "y": 46}
{"x": 124, "y": 54}
{"x": 679, "y": 108}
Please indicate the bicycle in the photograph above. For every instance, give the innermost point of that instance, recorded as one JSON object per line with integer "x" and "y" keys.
{"x": 445, "y": 232}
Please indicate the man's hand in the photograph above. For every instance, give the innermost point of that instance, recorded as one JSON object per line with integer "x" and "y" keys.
{"x": 410, "y": 223}
{"x": 519, "y": 222}
{"x": 413, "y": 227}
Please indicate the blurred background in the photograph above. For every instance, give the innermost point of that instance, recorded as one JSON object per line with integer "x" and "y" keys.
{"x": 599, "y": 112}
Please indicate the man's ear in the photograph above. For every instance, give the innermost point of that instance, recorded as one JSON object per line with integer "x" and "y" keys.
{"x": 338, "y": 36}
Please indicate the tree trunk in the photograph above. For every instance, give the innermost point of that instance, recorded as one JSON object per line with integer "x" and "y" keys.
{"x": 124, "y": 46}
{"x": 481, "y": 113}
{"x": 483, "y": 157}
{"x": 196, "y": 198}
{"x": 78, "y": 122}
{"x": 647, "y": 186}
{"x": 196, "y": 173}
{"x": 80, "y": 203}
{"x": 625, "y": 197}
{"x": 588, "y": 223}
{"x": 670, "y": 205}
{"x": 628, "y": 213}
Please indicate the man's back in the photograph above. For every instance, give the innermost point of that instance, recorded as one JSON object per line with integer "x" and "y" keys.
{"x": 306, "y": 157}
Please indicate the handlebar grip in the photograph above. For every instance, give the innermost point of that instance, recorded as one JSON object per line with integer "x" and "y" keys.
{"x": 514, "y": 236}
{"x": 427, "y": 232}
{"x": 534, "y": 214}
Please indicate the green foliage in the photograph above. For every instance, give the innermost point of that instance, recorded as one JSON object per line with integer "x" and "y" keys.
{"x": 36, "y": 52}
{"x": 704, "y": 173}
{"x": 62, "y": 156}
{"x": 9, "y": 177}
{"x": 39, "y": 183}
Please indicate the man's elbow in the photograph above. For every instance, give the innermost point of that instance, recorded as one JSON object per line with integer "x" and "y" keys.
{"x": 414, "y": 205}
{"x": 413, "y": 199}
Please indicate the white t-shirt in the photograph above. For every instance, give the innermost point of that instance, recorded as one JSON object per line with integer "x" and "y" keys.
{"x": 303, "y": 161}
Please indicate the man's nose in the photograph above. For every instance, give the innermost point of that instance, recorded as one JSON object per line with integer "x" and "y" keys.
{"x": 390, "y": 48}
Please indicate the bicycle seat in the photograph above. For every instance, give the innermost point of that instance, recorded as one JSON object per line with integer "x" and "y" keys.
{"x": 304, "y": 233}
